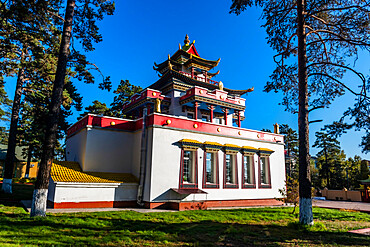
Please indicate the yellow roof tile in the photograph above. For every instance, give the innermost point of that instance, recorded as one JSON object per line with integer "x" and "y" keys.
{"x": 266, "y": 149}
{"x": 67, "y": 171}
{"x": 227, "y": 145}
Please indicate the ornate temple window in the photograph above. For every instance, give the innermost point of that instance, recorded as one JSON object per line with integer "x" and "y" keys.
{"x": 211, "y": 165}
{"x": 264, "y": 174}
{"x": 205, "y": 115}
{"x": 248, "y": 171}
{"x": 205, "y": 118}
{"x": 189, "y": 163}
{"x": 190, "y": 115}
{"x": 218, "y": 118}
{"x": 231, "y": 166}
{"x": 188, "y": 172}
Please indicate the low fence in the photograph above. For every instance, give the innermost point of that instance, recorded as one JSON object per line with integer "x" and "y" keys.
{"x": 342, "y": 195}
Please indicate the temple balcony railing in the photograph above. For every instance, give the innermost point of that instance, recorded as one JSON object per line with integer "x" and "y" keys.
{"x": 215, "y": 97}
{"x": 199, "y": 78}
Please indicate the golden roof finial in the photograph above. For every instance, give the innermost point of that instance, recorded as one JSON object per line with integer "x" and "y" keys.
{"x": 179, "y": 46}
{"x": 186, "y": 41}
{"x": 221, "y": 86}
{"x": 169, "y": 57}
{"x": 169, "y": 65}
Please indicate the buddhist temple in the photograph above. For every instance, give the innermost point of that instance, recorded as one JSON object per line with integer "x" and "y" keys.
{"x": 181, "y": 146}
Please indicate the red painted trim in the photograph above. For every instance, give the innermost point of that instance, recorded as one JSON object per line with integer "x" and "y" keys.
{"x": 226, "y": 111}
{"x": 103, "y": 122}
{"x": 196, "y": 105}
{"x": 102, "y": 204}
{"x": 176, "y": 122}
{"x": 253, "y": 184}
{"x": 183, "y": 185}
{"x": 192, "y": 50}
{"x": 146, "y": 94}
{"x": 207, "y": 127}
{"x": 235, "y": 185}
{"x": 239, "y": 119}
{"x": 206, "y": 185}
{"x": 196, "y": 205}
{"x": 215, "y": 95}
{"x": 260, "y": 185}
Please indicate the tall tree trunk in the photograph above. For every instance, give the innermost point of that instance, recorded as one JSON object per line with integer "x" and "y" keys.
{"x": 29, "y": 157}
{"x": 41, "y": 187}
{"x": 305, "y": 201}
{"x": 12, "y": 141}
{"x": 327, "y": 168}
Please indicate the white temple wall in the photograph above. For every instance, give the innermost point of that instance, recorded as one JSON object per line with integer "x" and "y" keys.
{"x": 93, "y": 192}
{"x": 109, "y": 151}
{"x": 148, "y": 167}
{"x": 136, "y": 151}
{"x": 76, "y": 147}
{"x": 166, "y": 167}
{"x": 175, "y": 107}
{"x": 102, "y": 150}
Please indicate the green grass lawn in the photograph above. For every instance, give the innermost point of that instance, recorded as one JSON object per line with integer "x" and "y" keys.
{"x": 240, "y": 227}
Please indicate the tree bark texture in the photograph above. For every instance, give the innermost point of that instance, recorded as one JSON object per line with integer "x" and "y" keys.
{"x": 29, "y": 157}
{"x": 42, "y": 183}
{"x": 12, "y": 140}
{"x": 305, "y": 202}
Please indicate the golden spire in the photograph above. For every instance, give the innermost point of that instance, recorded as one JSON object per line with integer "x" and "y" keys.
{"x": 169, "y": 65}
{"x": 186, "y": 41}
{"x": 221, "y": 86}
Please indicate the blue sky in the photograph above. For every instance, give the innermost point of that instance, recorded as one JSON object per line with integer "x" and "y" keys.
{"x": 143, "y": 32}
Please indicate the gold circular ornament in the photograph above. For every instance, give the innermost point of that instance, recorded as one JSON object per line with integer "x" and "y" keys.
{"x": 239, "y": 133}
{"x": 112, "y": 123}
{"x": 258, "y": 136}
{"x": 218, "y": 129}
{"x": 200, "y": 91}
{"x": 168, "y": 121}
{"x": 154, "y": 93}
{"x": 195, "y": 125}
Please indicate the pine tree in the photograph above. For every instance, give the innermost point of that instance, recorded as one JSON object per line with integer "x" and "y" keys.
{"x": 97, "y": 108}
{"x": 320, "y": 35}
{"x": 291, "y": 150}
{"x": 27, "y": 27}
{"x": 123, "y": 93}
{"x": 330, "y": 147}
{"x": 82, "y": 20}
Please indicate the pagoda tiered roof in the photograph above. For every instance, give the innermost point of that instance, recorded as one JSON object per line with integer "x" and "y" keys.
{"x": 185, "y": 69}
{"x": 188, "y": 60}
{"x": 181, "y": 80}
{"x": 187, "y": 56}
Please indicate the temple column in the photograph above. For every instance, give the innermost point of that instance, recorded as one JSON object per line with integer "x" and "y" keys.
{"x": 205, "y": 76}
{"x": 226, "y": 111}
{"x": 141, "y": 112}
{"x": 211, "y": 109}
{"x": 196, "y": 105}
{"x": 192, "y": 72}
{"x": 238, "y": 114}
{"x": 148, "y": 107}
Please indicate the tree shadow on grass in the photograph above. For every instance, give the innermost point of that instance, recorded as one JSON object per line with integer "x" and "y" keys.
{"x": 95, "y": 230}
